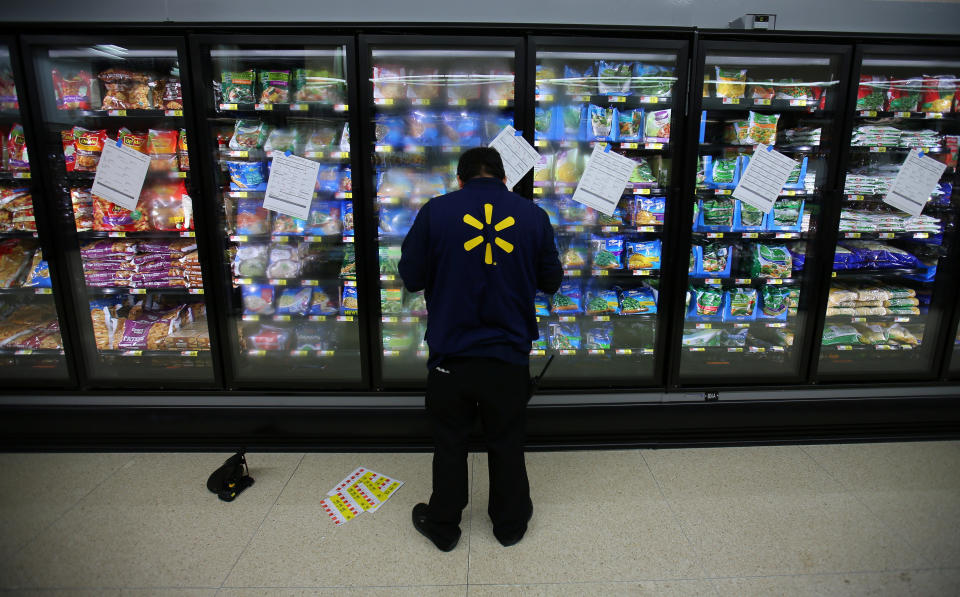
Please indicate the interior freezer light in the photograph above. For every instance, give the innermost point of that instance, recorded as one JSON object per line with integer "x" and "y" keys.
{"x": 93, "y": 51}
{"x": 444, "y": 53}
{"x": 906, "y": 62}
{"x": 603, "y": 56}
{"x": 751, "y": 60}
{"x": 275, "y": 52}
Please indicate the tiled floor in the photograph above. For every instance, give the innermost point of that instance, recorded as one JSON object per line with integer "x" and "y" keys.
{"x": 854, "y": 519}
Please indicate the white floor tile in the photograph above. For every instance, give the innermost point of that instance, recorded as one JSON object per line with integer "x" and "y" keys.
{"x": 153, "y": 524}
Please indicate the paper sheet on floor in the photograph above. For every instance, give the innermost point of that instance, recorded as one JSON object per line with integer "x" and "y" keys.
{"x": 361, "y": 491}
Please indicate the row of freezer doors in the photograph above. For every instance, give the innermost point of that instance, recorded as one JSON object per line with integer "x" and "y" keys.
{"x": 294, "y": 301}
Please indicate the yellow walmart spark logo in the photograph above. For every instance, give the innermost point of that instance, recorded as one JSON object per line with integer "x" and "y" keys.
{"x": 476, "y": 240}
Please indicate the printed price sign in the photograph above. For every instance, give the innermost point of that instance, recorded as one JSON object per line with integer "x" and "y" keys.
{"x": 604, "y": 179}
{"x": 518, "y": 156}
{"x": 120, "y": 175}
{"x": 291, "y": 184}
{"x": 916, "y": 180}
{"x": 764, "y": 178}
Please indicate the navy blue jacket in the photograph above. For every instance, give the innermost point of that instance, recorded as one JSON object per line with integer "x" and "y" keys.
{"x": 481, "y": 253}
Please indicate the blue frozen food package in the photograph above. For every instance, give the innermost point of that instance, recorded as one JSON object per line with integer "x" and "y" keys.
{"x": 252, "y": 218}
{"x": 601, "y": 301}
{"x": 324, "y": 218}
{"x": 844, "y": 258}
{"x": 599, "y": 337}
{"x": 349, "y": 303}
{"x": 643, "y": 254}
{"x": 541, "y": 303}
{"x": 543, "y": 123}
{"x": 460, "y": 128}
{"x": 346, "y": 213}
{"x": 574, "y": 213}
{"x": 638, "y": 301}
{"x": 294, "y": 301}
{"x": 629, "y": 125}
{"x": 322, "y": 302}
{"x": 257, "y": 299}
{"x": 396, "y": 221}
{"x": 601, "y": 123}
{"x": 568, "y": 300}
{"x": 579, "y": 82}
{"x": 328, "y": 179}
{"x": 388, "y": 130}
{"x": 422, "y": 129}
{"x": 552, "y": 209}
{"x": 607, "y": 252}
{"x": 564, "y": 336}
{"x": 247, "y": 176}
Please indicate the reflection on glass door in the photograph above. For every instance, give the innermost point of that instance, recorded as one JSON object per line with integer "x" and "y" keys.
{"x": 885, "y": 307}
{"x": 136, "y": 273}
{"x": 429, "y": 106}
{"x": 292, "y": 304}
{"x": 603, "y": 322}
{"x": 31, "y": 348}
{"x": 747, "y": 275}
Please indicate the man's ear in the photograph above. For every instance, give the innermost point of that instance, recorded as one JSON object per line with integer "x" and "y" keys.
{"x": 459, "y": 181}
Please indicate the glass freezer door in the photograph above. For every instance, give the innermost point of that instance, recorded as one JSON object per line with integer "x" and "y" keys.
{"x": 748, "y": 280}
{"x": 136, "y": 274}
{"x": 292, "y": 302}
{"x": 31, "y": 348}
{"x": 885, "y": 310}
{"x": 429, "y": 104}
{"x": 603, "y": 323}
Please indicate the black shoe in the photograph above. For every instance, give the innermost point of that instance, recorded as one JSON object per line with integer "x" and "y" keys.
{"x": 431, "y": 530}
{"x": 513, "y": 537}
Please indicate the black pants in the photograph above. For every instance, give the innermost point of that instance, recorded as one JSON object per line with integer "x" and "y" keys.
{"x": 456, "y": 392}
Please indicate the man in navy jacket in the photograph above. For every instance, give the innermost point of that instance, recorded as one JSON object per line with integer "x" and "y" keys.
{"x": 480, "y": 253}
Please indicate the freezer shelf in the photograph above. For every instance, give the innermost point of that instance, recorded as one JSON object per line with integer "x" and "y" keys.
{"x": 137, "y": 274}
{"x": 747, "y": 275}
{"x": 31, "y": 347}
{"x": 292, "y": 312}
{"x": 429, "y": 106}
{"x": 883, "y": 309}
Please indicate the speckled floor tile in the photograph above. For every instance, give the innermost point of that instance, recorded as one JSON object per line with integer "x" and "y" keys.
{"x": 598, "y": 517}
{"x": 298, "y": 545}
{"x": 36, "y": 489}
{"x": 908, "y": 583}
{"x": 912, "y": 487}
{"x": 140, "y": 592}
{"x": 152, "y": 524}
{"x": 772, "y": 510}
{"x": 661, "y": 588}
{"x": 415, "y": 591}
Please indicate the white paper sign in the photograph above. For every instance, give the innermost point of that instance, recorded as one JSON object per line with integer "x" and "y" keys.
{"x": 916, "y": 180}
{"x": 604, "y": 179}
{"x": 518, "y": 156}
{"x": 291, "y": 184}
{"x": 761, "y": 183}
{"x": 120, "y": 175}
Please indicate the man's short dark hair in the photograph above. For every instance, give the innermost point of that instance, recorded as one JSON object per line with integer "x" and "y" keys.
{"x": 480, "y": 161}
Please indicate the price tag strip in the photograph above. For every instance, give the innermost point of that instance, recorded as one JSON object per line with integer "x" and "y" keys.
{"x": 120, "y": 174}
{"x": 604, "y": 179}
{"x": 291, "y": 184}
{"x": 764, "y": 178}
{"x": 916, "y": 180}
{"x": 518, "y": 156}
